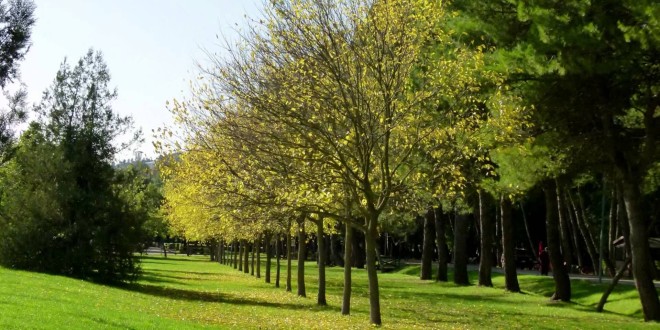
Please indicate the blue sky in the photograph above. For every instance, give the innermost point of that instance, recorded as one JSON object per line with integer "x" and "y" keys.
{"x": 150, "y": 46}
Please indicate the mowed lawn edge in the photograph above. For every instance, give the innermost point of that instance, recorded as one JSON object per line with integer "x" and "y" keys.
{"x": 192, "y": 293}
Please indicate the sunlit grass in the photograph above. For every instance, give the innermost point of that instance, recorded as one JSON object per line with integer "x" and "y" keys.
{"x": 190, "y": 292}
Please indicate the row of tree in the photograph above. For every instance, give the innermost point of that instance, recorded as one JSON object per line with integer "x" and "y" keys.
{"x": 363, "y": 114}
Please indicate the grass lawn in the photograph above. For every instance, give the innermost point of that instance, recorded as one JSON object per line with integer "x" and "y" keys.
{"x": 191, "y": 292}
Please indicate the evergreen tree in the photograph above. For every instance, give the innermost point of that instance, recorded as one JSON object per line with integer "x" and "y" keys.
{"x": 66, "y": 212}
{"x": 16, "y": 20}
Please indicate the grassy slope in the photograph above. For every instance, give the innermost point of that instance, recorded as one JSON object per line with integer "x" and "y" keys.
{"x": 190, "y": 293}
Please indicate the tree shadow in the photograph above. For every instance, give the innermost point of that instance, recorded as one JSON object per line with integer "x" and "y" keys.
{"x": 154, "y": 270}
{"x": 174, "y": 258}
{"x": 211, "y": 297}
{"x": 157, "y": 278}
{"x": 109, "y": 324}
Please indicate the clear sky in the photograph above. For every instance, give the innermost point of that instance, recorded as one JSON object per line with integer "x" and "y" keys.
{"x": 150, "y": 46}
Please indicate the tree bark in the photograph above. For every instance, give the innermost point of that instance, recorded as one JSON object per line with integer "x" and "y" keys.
{"x": 234, "y": 254}
{"x": 241, "y": 248}
{"x": 461, "y": 224}
{"x": 613, "y": 232}
{"x": 253, "y": 250}
{"x": 508, "y": 247}
{"x": 584, "y": 230}
{"x": 278, "y": 253}
{"x": 532, "y": 248}
{"x": 498, "y": 236}
{"x": 641, "y": 254}
{"x": 427, "y": 250}
{"x": 610, "y": 288}
{"x": 564, "y": 225}
{"x": 221, "y": 246}
{"x": 371, "y": 236}
{"x": 487, "y": 239}
{"x": 441, "y": 242}
{"x": 257, "y": 246}
{"x": 267, "y": 242}
{"x": 574, "y": 233}
{"x": 358, "y": 259}
{"x": 321, "y": 252}
{"x": 348, "y": 247}
{"x": 559, "y": 273}
{"x": 288, "y": 258}
{"x": 624, "y": 226}
{"x": 335, "y": 258}
{"x": 212, "y": 246}
{"x": 302, "y": 237}
{"x": 246, "y": 258}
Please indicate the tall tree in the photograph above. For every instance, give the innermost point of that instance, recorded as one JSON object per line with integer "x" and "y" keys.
{"x": 90, "y": 229}
{"x": 428, "y": 244}
{"x": 16, "y": 19}
{"x": 487, "y": 239}
{"x": 461, "y": 229}
{"x": 510, "y": 274}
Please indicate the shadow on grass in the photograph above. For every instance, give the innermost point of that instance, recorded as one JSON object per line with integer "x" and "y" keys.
{"x": 109, "y": 324}
{"x": 157, "y": 278}
{"x": 174, "y": 258}
{"x": 155, "y": 270}
{"x": 212, "y": 297}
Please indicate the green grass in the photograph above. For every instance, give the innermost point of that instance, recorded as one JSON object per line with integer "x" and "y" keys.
{"x": 190, "y": 292}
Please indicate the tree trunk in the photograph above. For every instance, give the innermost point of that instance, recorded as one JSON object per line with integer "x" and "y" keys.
{"x": 278, "y": 253}
{"x": 508, "y": 247}
{"x": 267, "y": 242}
{"x": 321, "y": 252}
{"x": 348, "y": 251}
{"x": 641, "y": 254}
{"x": 575, "y": 233}
{"x": 257, "y": 246}
{"x": 461, "y": 226}
{"x": 371, "y": 236}
{"x": 288, "y": 258}
{"x": 559, "y": 273}
{"x": 498, "y": 235}
{"x": 221, "y": 247}
{"x": 241, "y": 248}
{"x": 234, "y": 254}
{"x": 246, "y": 258}
{"x": 441, "y": 242}
{"x": 427, "y": 250}
{"x": 359, "y": 250}
{"x": 335, "y": 258}
{"x": 532, "y": 248}
{"x": 584, "y": 230}
{"x": 253, "y": 249}
{"x": 624, "y": 226}
{"x": 564, "y": 225}
{"x": 301, "y": 257}
{"x": 487, "y": 239}
{"x": 587, "y": 224}
{"x": 610, "y": 288}
{"x": 613, "y": 232}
